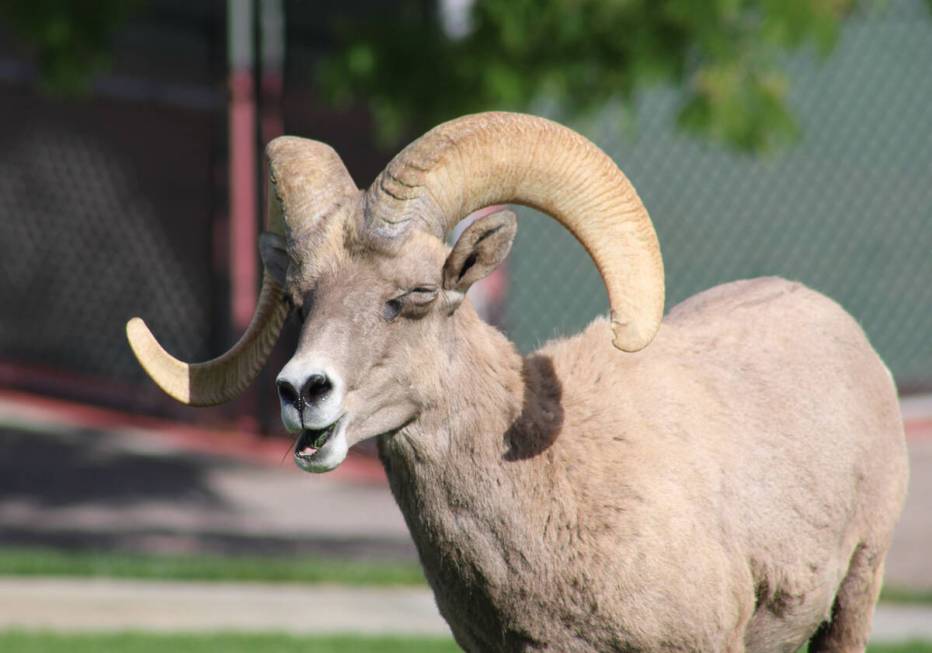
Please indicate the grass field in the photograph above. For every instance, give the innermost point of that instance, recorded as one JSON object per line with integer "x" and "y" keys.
{"x": 44, "y": 562}
{"x": 903, "y": 595}
{"x": 28, "y": 642}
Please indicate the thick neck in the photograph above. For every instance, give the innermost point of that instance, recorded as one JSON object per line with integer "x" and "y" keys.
{"x": 494, "y": 413}
{"x": 473, "y": 473}
{"x": 477, "y": 394}
{"x": 483, "y": 390}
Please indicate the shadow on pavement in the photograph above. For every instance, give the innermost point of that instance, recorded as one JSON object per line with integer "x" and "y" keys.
{"x": 85, "y": 489}
{"x": 55, "y": 472}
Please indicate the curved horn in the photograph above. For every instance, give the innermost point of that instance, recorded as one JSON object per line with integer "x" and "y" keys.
{"x": 304, "y": 178}
{"x": 497, "y": 158}
{"x": 223, "y": 378}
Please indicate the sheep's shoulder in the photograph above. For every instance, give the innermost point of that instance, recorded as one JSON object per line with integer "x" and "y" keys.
{"x": 734, "y": 387}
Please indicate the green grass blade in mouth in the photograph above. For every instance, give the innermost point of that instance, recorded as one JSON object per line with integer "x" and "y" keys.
{"x": 323, "y": 437}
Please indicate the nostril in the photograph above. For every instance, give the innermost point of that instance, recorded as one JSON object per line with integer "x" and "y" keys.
{"x": 287, "y": 392}
{"x": 315, "y": 388}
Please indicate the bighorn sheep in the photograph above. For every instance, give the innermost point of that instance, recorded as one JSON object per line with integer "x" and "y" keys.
{"x": 731, "y": 487}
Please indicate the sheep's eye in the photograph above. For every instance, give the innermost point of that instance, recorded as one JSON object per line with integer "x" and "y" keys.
{"x": 392, "y": 308}
{"x": 422, "y": 295}
{"x": 413, "y": 302}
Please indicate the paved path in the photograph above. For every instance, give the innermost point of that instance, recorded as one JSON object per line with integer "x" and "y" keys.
{"x": 902, "y": 623}
{"x": 909, "y": 562}
{"x": 109, "y": 605}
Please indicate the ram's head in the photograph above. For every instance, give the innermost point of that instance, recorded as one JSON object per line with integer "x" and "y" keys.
{"x": 379, "y": 291}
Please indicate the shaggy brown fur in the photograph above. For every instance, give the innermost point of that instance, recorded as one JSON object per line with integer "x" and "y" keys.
{"x": 721, "y": 490}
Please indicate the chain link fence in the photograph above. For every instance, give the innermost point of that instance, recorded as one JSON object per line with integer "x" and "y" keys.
{"x": 847, "y": 210}
{"x": 100, "y": 221}
{"x": 110, "y": 209}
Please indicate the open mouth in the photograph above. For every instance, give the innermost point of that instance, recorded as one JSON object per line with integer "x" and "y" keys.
{"x": 321, "y": 450}
{"x": 313, "y": 440}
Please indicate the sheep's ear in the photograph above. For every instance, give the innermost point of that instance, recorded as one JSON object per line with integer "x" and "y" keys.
{"x": 274, "y": 253}
{"x": 481, "y": 247}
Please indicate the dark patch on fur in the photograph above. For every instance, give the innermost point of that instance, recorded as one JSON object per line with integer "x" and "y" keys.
{"x": 820, "y": 638}
{"x": 761, "y": 592}
{"x": 541, "y": 418}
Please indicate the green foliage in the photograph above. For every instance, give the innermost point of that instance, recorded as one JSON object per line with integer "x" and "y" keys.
{"x": 70, "y": 40}
{"x": 724, "y": 57}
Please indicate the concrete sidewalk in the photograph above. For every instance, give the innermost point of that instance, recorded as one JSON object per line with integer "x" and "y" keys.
{"x": 108, "y": 605}
{"x": 113, "y": 605}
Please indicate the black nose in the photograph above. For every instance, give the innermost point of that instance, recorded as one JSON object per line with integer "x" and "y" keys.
{"x": 315, "y": 388}
{"x": 288, "y": 394}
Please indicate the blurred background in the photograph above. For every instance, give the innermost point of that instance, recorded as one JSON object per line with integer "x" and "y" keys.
{"x": 788, "y": 137}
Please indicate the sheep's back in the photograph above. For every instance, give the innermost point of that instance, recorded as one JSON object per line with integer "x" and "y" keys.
{"x": 787, "y": 381}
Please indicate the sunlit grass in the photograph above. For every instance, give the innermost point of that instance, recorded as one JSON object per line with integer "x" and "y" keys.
{"x": 908, "y": 647}
{"x": 134, "y": 642}
{"x": 277, "y": 569}
{"x": 903, "y": 595}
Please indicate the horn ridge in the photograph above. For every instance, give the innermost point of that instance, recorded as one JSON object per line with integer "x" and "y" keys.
{"x": 497, "y": 157}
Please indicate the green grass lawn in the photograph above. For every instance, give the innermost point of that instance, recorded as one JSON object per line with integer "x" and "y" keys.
{"x": 31, "y": 642}
{"x": 46, "y": 562}
{"x": 41, "y": 642}
{"x": 908, "y": 647}
{"x": 903, "y": 595}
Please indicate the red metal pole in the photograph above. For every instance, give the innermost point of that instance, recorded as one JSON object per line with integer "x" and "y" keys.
{"x": 244, "y": 265}
{"x": 271, "y": 124}
{"x": 243, "y": 201}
